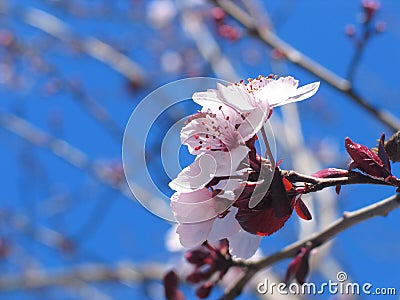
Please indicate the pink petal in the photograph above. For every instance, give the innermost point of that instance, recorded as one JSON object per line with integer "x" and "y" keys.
{"x": 195, "y": 176}
{"x": 278, "y": 91}
{"x": 195, "y": 207}
{"x": 194, "y": 234}
{"x": 253, "y": 123}
{"x": 206, "y": 98}
{"x": 236, "y": 97}
{"x": 228, "y": 162}
{"x": 284, "y": 91}
{"x": 224, "y": 227}
{"x": 243, "y": 244}
{"x": 209, "y": 133}
{"x": 193, "y": 197}
{"x": 211, "y": 103}
{"x": 303, "y": 93}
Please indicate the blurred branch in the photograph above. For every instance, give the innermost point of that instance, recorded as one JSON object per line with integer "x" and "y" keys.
{"x": 90, "y": 45}
{"x": 206, "y": 44}
{"x": 349, "y": 219}
{"x": 96, "y": 110}
{"x": 124, "y": 272}
{"x": 65, "y": 151}
{"x": 342, "y": 85}
{"x": 42, "y": 234}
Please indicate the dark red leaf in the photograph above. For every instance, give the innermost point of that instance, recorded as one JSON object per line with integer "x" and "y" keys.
{"x": 171, "y": 282}
{"x": 270, "y": 214}
{"x": 260, "y": 222}
{"x": 204, "y": 290}
{"x": 331, "y": 173}
{"x": 287, "y": 184}
{"x": 383, "y": 154}
{"x": 365, "y": 159}
{"x": 302, "y": 210}
{"x": 280, "y": 200}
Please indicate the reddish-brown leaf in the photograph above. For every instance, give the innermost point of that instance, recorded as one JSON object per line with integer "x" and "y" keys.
{"x": 365, "y": 159}
{"x": 271, "y": 212}
{"x": 302, "y": 210}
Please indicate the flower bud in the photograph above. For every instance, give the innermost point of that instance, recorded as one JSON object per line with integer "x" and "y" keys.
{"x": 196, "y": 257}
{"x": 298, "y": 268}
{"x": 204, "y": 290}
{"x": 195, "y": 277}
{"x": 365, "y": 159}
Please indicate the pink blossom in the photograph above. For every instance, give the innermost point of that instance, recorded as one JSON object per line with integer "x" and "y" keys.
{"x": 202, "y": 216}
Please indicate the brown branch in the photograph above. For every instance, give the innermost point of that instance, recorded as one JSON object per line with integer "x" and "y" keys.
{"x": 349, "y": 219}
{"x": 317, "y": 184}
{"x": 293, "y": 55}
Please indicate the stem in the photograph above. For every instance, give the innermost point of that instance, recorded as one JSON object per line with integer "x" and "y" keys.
{"x": 317, "y": 184}
{"x": 268, "y": 152}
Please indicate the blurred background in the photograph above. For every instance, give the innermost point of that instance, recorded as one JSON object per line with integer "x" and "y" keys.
{"x": 71, "y": 74}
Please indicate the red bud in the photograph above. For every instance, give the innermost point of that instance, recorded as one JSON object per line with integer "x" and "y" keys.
{"x": 365, "y": 159}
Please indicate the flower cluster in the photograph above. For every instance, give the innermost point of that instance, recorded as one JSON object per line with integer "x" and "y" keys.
{"x": 225, "y": 192}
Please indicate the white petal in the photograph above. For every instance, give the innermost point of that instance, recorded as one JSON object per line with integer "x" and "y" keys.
{"x": 192, "y": 197}
{"x": 211, "y": 103}
{"x": 228, "y": 162}
{"x": 236, "y": 97}
{"x": 278, "y": 90}
{"x": 253, "y": 123}
{"x": 207, "y": 98}
{"x": 195, "y": 207}
{"x": 244, "y": 244}
{"x": 172, "y": 242}
{"x": 224, "y": 227}
{"x": 302, "y": 93}
{"x": 193, "y": 235}
{"x": 195, "y": 176}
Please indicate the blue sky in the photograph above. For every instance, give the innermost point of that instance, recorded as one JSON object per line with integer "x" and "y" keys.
{"x": 120, "y": 229}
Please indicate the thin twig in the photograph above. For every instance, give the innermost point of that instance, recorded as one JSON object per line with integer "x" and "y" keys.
{"x": 349, "y": 219}
{"x": 305, "y": 62}
{"x": 317, "y": 184}
{"x": 268, "y": 151}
